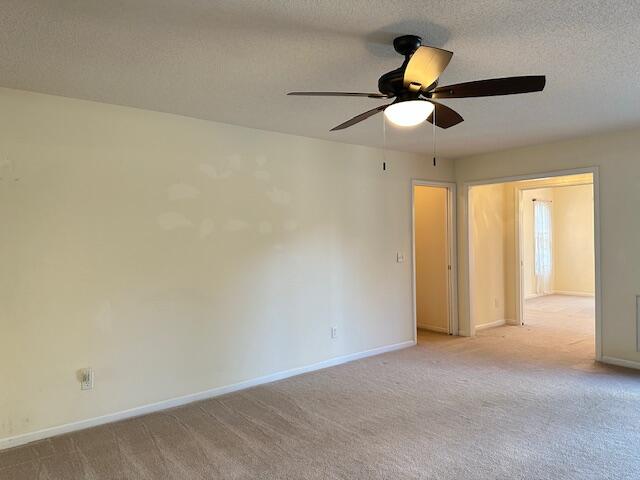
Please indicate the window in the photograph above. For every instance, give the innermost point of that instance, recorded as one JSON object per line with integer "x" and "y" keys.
{"x": 542, "y": 242}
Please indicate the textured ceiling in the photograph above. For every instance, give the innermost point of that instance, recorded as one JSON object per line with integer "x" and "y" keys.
{"x": 233, "y": 61}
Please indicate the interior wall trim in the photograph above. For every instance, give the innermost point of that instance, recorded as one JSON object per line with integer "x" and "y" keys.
{"x": 621, "y": 362}
{"x": 574, "y": 294}
{"x": 433, "y": 328}
{"x": 497, "y": 323}
{"x": 25, "y": 438}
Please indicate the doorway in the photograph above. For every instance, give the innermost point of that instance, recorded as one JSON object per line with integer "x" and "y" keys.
{"x": 534, "y": 258}
{"x": 556, "y": 244}
{"x": 434, "y": 266}
{"x": 556, "y": 252}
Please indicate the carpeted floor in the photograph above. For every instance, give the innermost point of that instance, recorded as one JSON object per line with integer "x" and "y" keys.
{"x": 513, "y": 403}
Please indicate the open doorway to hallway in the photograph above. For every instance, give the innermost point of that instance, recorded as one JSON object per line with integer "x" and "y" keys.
{"x": 532, "y": 259}
{"x": 434, "y": 257}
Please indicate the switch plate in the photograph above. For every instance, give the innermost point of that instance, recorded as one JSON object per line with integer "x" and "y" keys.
{"x": 400, "y": 257}
{"x": 334, "y": 332}
{"x": 86, "y": 378}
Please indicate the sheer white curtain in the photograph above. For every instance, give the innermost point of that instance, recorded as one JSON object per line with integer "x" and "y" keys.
{"x": 543, "y": 254}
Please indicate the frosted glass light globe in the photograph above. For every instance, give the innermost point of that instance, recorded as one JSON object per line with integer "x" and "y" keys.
{"x": 409, "y": 113}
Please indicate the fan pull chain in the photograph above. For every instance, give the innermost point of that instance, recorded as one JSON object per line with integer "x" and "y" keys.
{"x": 384, "y": 143}
{"x": 434, "y": 135}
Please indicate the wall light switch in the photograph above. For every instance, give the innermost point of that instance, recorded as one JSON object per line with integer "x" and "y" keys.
{"x": 400, "y": 257}
{"x": 334, "y": 332}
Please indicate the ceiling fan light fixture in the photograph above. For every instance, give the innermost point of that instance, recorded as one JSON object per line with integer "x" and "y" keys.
{"x": 409, "y": 113}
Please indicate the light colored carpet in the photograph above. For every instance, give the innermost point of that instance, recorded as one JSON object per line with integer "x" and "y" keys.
{"x": 513, "y": 403}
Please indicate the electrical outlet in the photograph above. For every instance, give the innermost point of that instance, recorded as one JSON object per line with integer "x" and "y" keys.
{"x": 86, "y": 378}
{"x": 334, "y": 332}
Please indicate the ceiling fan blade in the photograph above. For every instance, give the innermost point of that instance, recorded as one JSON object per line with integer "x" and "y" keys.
{"x": 425, "y": 66}
{"x": 339, "y": 94}
{"x": 492, "y": 87}
{"x": 445, "y": 117}
{"x": 359, "y": 118}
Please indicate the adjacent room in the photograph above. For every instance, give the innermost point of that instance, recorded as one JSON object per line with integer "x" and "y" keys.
{"x": 558, "y": 259}
{"x": 249, "y": 239}
{"x": 532, "y": 260}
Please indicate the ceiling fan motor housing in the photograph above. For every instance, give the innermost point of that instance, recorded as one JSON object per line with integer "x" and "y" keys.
{"x": 407, "y": 44}
{"x": 392, "y": 83}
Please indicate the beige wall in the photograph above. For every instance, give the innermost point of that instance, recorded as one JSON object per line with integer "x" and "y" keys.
{"x": 175, "y": 255}
{"x": 616, "y": 156}
{"x": 431, "y": 249}
{"x": 573, "y": 250}
{"x": 489, "y": 233}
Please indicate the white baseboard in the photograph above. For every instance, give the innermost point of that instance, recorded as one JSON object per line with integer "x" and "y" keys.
{"x": 194, "y": 397}
{"x": 573, "y": 294}
{"x": 433, "y": 328}
{"x": 497, "y": 323}
{"x": 529, "y": 296}
{"x": 621, "y": 362}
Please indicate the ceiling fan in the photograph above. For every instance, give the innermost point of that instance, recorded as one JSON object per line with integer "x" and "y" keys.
{"x": 415, "y": 84}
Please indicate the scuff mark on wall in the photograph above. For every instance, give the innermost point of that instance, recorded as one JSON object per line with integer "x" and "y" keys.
{"x": 173, "y": 220}
{"x": 213, "y": 172}
{"x": 181, "y": 191}
{"x": 262, "y": 175}
{"x": 8, "y": 171}
{"x": 235, "y": 225}
{"x": 234, "y": 162}
{"x": 206, "y": 227}
{"x": 279, "y": 196}
{"x": 290, "y": 225}
{"x": 265, "y": 228}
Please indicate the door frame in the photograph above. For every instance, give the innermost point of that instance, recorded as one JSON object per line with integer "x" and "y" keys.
{"x": 596, "y": 226}
{"x": 452, "y": 287}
